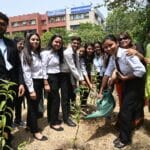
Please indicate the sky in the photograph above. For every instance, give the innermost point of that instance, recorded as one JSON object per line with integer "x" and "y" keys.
{"x": 20, "y": 7}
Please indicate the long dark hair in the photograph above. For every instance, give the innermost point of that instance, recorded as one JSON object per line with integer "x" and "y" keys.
{"x": 50, "y": 46}
{"x": 28, "y": 48}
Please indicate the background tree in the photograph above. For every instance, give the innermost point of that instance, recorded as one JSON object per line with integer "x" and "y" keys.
{"x": 126, "y": 17}
{"x": 90, "y": 32}
{"x": 47, "y": 36}
{"x": 16, "y": 34}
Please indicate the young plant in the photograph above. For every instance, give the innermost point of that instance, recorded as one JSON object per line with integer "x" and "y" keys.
{"x": 77, "y": 111}
{"x": 6, "y": 94}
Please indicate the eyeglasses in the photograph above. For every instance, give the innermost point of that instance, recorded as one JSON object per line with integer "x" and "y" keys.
{"x": 3, "y": 24}
{"x": 123, "y": 38}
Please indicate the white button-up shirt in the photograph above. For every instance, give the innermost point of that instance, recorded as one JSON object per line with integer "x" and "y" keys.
{"x": 33, "y": 71}
{"x": 3, "y": 50}
{"x": 128, "y": 64}
{"x": 51, "y": 62}
{"x": 98, "y": 63}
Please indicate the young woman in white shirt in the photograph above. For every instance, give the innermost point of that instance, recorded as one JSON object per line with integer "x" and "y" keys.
{"x": 130, "y": 71}
{"x": 35, "y": 79}
{"x": 52, "y": 58}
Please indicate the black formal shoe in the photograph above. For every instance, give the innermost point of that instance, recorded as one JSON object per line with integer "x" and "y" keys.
{"x": 120, "y": 145}
{"x": 117, "y": 140}
{"x": 44, "y": 138}
{"x": 70, "y": 123}
{"x": 56, "y": 129}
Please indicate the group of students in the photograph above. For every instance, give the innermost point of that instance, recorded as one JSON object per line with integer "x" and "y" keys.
{"x": 57, "y": 70}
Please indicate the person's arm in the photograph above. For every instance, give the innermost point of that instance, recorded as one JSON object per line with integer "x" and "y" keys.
{"x": 69, "y": 61}
{"x": 44, "y": 58}
{"x": 138, "y": 69}
{"x": 125, "y": 77}
{"x": 103, "y": 86}
{"x": 108, "y": 73}
{"x": 28, "y": 78}
{"x": 147, "y": 60}
{"x": 131, "y": 51}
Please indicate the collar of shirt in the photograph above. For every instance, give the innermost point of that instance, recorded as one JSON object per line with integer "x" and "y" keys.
{"x": 120, "y": 53}
{"x": 2, "y": 45}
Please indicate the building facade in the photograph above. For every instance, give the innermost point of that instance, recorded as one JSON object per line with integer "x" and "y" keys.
{"x": 69, "y": 19}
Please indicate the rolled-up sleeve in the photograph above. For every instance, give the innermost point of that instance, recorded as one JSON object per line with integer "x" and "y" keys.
{"x": 138, "y": 68}
{"x": 110, "y": 67}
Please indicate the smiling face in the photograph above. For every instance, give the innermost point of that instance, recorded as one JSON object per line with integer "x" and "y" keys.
{"x": 34, "y": 42}
{"x": 89, "y": 50}
{"x": 97, "y": 48}
{"x": 20, "y": 45}
{"x": 82, "y": 51}
{"x": 57, "y": 43}
{"x": 110, "y": 46}
{"x": 75, "y": 45}
{"x": 124, "y": 42}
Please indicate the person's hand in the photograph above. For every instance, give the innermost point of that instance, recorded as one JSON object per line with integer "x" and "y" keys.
{"x": 120, "y": 76}
{"x": 21, "y": 90}
{"x": 47, "y": 87}
{"x": 83, "y": 82}
{"x": 111, "y": 81}
{"x": 131, "y": 52}
{"x": 33, "y": 95}
{"x": 99, "y": 95}
{"x": 91, "y": 86}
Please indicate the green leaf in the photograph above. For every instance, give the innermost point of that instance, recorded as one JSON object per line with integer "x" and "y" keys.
{"x": 1, "y": 125}
{"x": 9, "y": 127}
{"x": 3, "y": 142}
{"x": 10, "y": 97}
{"x": 10, "y": 109}
{"x": 2, "y": 105}
{"x": 3, "y": 120}
{"x": 9, "y": 114}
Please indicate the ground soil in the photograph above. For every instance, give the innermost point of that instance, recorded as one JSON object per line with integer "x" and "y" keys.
{"x": 96, "y": 134}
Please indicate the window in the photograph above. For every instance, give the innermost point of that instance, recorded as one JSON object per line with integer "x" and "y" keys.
{"x": 74, "y": 27}
{"x": 43, "y": 22}
{"x": 79, "y": 16}
{"x": 15, "y": 24}
{"x": 32, "y": 22}
{"x": 24, "y": 23}
{"x": 57, "y": 19}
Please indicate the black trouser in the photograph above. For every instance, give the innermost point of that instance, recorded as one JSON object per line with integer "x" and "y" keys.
{"x": 72, "y": 94}
{"x": 65, "y": 100}
{"x": 32, "y": 113}
{"x": 132, "y": 94}
{"x": 99, "y": 81}
{"x": 53, "y": 102}
{"x": 140, "y": 108}
{"x": 18, "y": 109}
{"x": 41, "y": 104}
